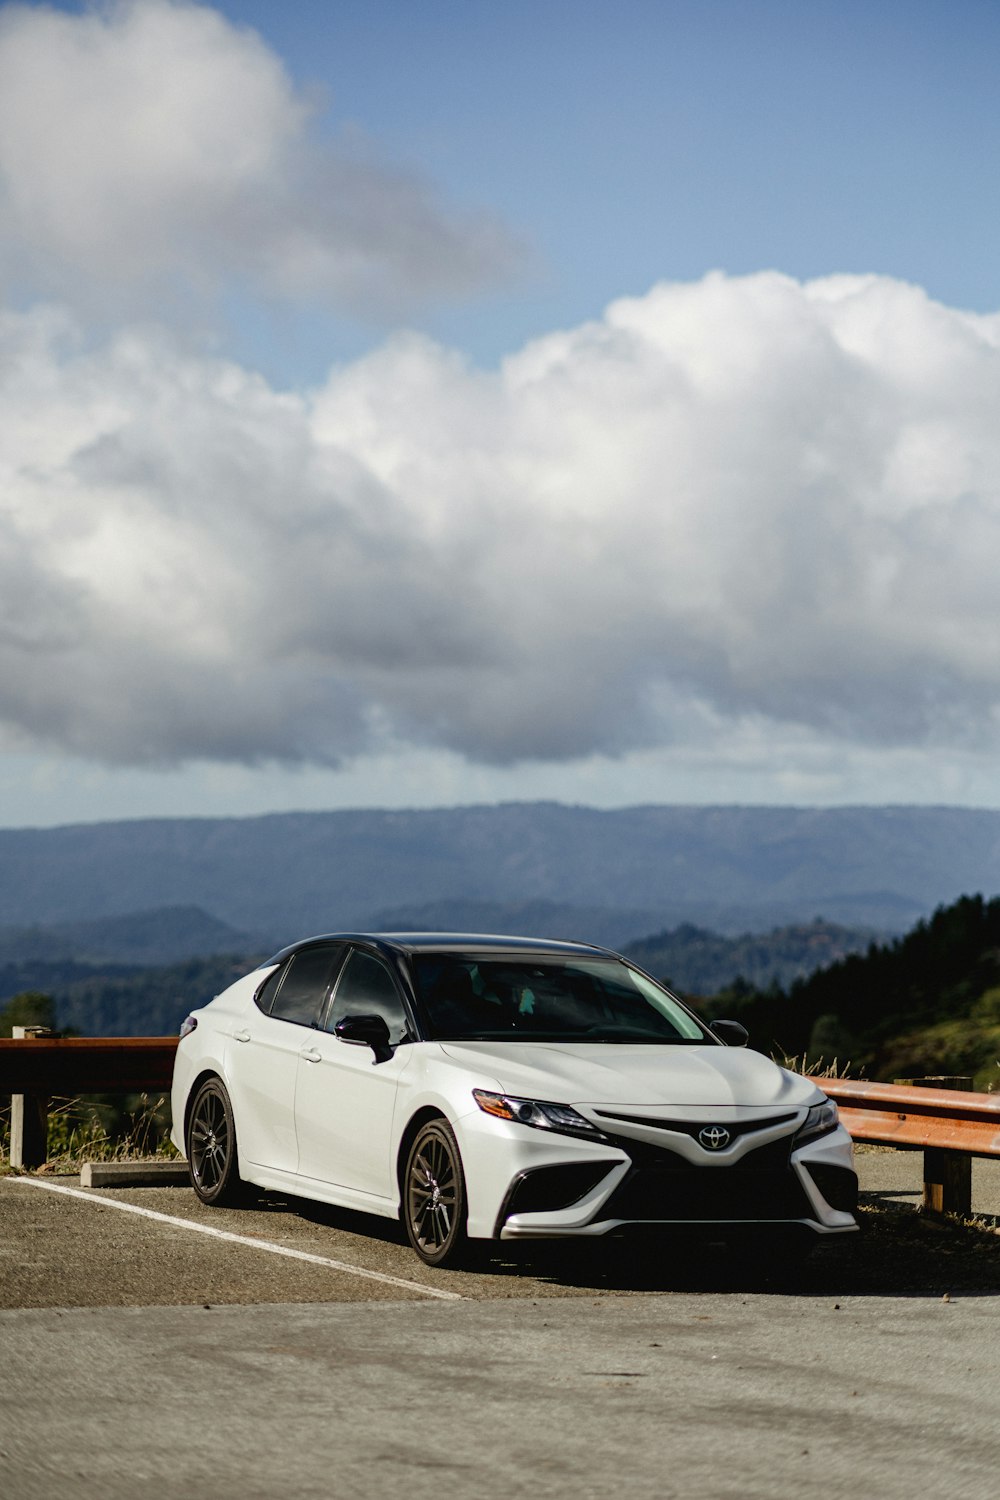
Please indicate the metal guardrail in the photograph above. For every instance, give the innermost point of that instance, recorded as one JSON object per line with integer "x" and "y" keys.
{"x": 86, "y": 1064}
{"x": 951, "y": 1126}
{"x": 35, "y": 1066}
{"x": 895, "y": 1114}
{"x": 951, "y": 1123}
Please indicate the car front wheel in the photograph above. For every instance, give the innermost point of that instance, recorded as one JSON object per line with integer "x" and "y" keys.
{"x": 434, "y": 1207}
{"x": 211, "y": 1147}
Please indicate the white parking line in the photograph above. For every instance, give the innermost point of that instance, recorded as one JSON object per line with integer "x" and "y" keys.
{"x": 242, "y": 1239}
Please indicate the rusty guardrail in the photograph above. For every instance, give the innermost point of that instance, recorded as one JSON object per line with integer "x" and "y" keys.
{"x": 899, "y": 1115}
{"x": 951, "y": 1124}
{"x": 34, "y": 1067}
{"x": 86, "y": 1064}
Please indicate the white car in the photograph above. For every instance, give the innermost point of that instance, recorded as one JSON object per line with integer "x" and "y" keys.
{"x": 485, "y": 1088}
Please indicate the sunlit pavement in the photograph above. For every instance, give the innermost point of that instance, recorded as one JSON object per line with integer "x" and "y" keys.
{"x": 136, "y": 1350}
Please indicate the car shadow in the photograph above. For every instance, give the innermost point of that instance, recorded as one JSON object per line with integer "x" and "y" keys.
{"x": 897, "y": 1252}
{"x": 350, "y": 1221}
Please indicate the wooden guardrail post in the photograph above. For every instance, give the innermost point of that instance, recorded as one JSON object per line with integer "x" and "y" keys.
{"x": 29, "y": 1115}
{"x": 947, "y": 1174}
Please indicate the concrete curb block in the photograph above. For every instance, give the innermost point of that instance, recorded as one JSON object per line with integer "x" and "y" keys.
{"x": 95, "y": 1174}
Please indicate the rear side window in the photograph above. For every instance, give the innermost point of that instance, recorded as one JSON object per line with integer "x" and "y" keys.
{"x": 298, "y": 991}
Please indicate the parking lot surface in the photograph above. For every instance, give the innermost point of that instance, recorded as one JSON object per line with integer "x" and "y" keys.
{"x": 66, "y": 1246}
{"x": 295, "y": 1350}
{"x": 685, "y": 1395}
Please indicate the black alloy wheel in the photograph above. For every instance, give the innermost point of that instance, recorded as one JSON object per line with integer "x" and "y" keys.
{"x": 211, "y": 1147}
{"x": 434, "y": 1207}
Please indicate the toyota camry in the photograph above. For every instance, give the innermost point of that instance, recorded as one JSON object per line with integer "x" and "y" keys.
{"x": 498, "y": 1088}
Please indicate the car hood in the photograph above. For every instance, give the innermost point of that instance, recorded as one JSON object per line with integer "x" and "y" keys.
{"x": 605, "y": 1073}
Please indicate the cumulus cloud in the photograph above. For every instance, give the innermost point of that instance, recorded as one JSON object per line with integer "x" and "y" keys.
{"x": 150, "y": 145}
{"x": 732, "y": 503}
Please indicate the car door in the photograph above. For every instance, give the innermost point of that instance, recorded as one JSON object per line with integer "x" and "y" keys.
{"x": 265, "y": 1056}
{"x": 344, "y": 1097}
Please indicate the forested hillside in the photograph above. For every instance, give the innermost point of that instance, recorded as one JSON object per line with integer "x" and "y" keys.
{"x": 700, "y": 962}
{"x": 138, "y": 938}
{"x": 926, "y": 1003}
{"x": 152, "y": 1002}
{"x": 117, "y": 1001}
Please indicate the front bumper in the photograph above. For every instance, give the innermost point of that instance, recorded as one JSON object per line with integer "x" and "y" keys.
{"x": 564, "y": 1187}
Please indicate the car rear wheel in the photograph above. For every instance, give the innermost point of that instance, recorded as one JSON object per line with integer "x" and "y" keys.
{"x": 211, "y": 1147}
{"x": 434, "y": 1206}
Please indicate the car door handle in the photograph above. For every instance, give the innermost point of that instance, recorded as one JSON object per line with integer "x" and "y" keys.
{"x": 311, "y": 1055}
{"x": 241, "y": 1036}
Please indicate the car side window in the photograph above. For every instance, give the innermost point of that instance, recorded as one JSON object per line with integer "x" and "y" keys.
{"x": 264, "y": 997}
{"x": 302, "y": 986}
{"x": 367, "y": 988}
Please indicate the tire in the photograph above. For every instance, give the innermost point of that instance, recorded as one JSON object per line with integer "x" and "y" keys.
{"x": 434, "y": 1202}
{"x": 211, "y": 1147}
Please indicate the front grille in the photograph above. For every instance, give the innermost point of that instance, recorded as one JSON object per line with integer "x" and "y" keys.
{"x": 663, "y": 1187}
{"x": 736, "y": 1129}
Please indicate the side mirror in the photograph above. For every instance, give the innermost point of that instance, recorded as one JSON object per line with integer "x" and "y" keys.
{"x": 366, "y": 1031}
{"x": 730, "y": 1032}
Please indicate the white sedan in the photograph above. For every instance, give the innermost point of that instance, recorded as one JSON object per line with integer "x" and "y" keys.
{"x": 484, "y": 1088}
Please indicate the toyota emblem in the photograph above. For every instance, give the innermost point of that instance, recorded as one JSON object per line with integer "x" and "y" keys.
{"x": 714, "y": 1137}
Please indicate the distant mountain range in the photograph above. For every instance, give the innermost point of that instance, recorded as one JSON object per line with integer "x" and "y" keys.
{"x": 137, "y": 939}
{"x": 580, "y": 872}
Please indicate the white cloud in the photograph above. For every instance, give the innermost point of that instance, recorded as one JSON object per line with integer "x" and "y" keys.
{"x": 148, "y": 147}
{"x": 730, "y": 508}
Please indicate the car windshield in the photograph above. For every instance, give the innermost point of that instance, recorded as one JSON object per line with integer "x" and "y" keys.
{"x": 473, "y": 997}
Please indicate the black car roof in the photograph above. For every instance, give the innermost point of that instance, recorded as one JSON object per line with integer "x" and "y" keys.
{"x": 451, "y": 942}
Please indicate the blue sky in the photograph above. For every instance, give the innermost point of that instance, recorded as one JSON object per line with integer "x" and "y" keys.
{"x": 659, "y": 139}
{"x": 425, "y": 403}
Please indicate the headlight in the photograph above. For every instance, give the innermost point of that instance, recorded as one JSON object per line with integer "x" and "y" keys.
{"x": 189, "y": 1024}
{"x": 543, "y": 1116}
{"x": 820, "y": 1120}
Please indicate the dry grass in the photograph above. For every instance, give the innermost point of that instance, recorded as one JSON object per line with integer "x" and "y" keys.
{"x": 816, "y": 1067}
{"x": 82, "y": 1131}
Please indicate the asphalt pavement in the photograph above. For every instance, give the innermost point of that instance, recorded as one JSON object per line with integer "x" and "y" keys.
{"x": 697, "y": 1397}
{"x": 292, "y": 1350}
{"x": 897, "y": 1177}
